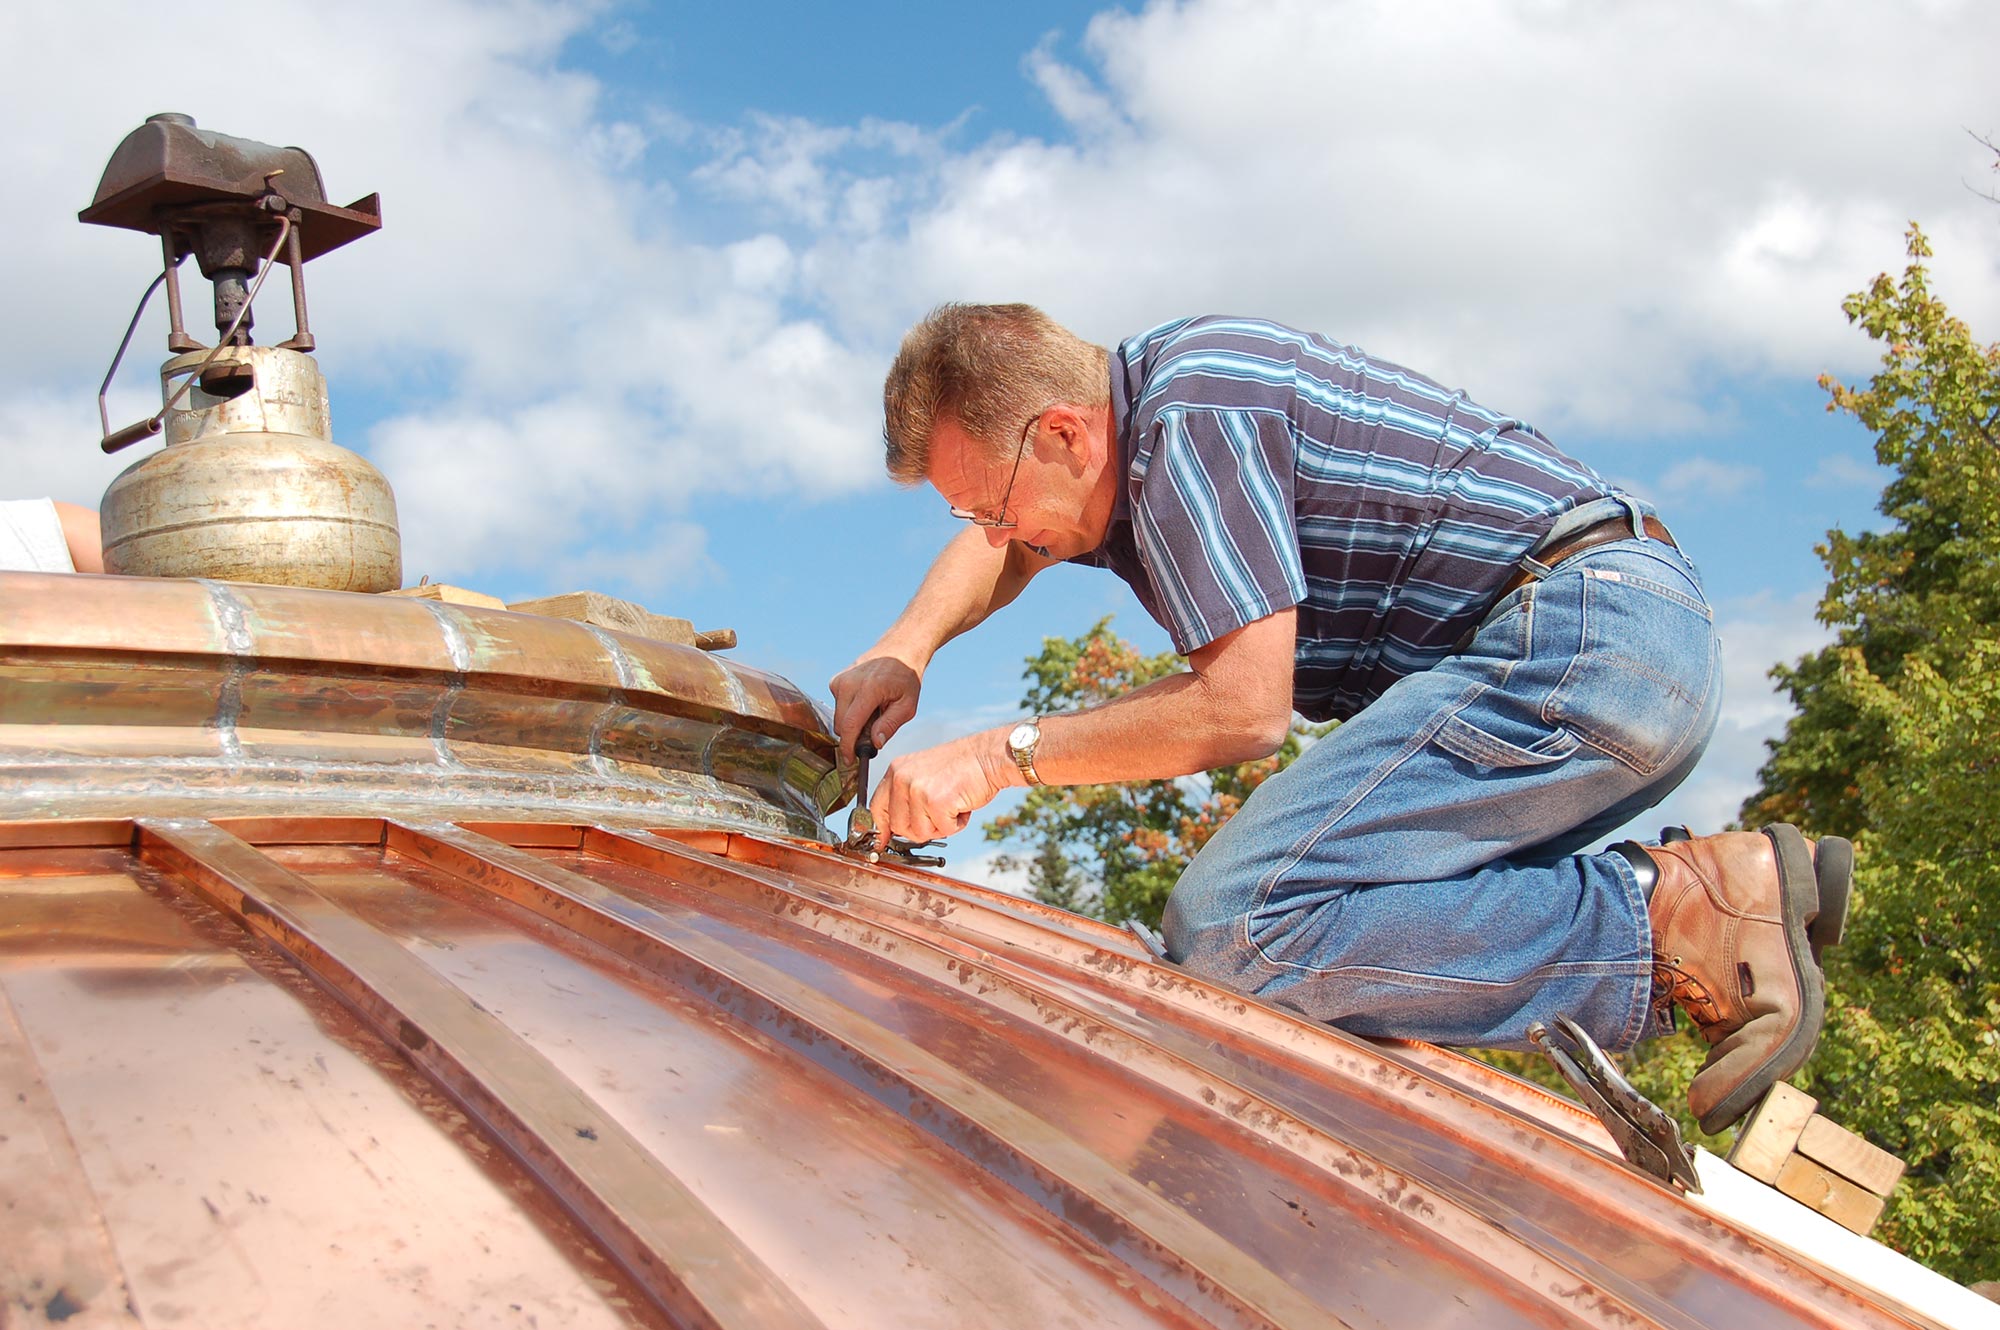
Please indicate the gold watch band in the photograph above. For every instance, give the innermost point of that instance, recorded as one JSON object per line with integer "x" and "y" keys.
{"x": 1021, "y": 745}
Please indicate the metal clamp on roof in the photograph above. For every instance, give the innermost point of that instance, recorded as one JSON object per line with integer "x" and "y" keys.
{"x": 1649, "y": 1138}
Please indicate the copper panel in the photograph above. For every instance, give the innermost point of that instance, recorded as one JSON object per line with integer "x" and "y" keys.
{"x": 332, "y": 629}
{"x": 247, "y": 1153}
{"x": 88, "y": 694}
{"x": 70, "y": 832}
{"x": 304, "y": 830}
{"x": 530, "y": 647}
{"x": 702, "y": 679}
{"x": 640, "y": 1214}
{"x": 59, "y": 1263}
{"x": 869, "y": 1096}
{"x": 128, "y": 696}
{"x": 369, "y": 706}
{"x": 782, "y": 698}
{"x": 75, "y": 611}
{"x": 871, "y": 1221}
{"x": 1506, "y": 1167}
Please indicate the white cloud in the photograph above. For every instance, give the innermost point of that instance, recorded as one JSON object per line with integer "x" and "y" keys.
{"x": 569, "y": 366}
{"x": 1706, "y": 478}
{"x": 1575, "y": 208}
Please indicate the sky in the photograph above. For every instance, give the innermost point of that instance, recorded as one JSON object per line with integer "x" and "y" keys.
{"x": 643, "y": 265}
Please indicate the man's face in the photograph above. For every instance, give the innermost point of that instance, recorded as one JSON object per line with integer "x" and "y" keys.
{"x": 1049, "y": 493}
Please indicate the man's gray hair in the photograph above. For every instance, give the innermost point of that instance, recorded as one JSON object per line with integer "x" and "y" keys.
{"x": 992, "y": 367}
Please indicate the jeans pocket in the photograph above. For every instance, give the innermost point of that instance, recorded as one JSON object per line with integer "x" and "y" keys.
{"x": 1640, "y": 680}
{"x": 1461, "y": 738}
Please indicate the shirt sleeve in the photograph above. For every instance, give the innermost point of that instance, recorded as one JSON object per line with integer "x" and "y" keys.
{"x": 31, "y": 537}
{"x": 1214, "y": 514}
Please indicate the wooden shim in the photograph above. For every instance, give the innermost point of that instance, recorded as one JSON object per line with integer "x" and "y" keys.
{"x": 1770, "y": 1135}
{"x": 450, "y": 595}
{"x": 1827, "y": 1142}
{"x": 602, "y": 611}
{"x": 1822, "y": 1189}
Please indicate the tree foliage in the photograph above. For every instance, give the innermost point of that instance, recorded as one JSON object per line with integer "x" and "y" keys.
{"x": 1053, "y": 880}
{"x": 1896, "y": 742}
{"x": 1132, "y": 838}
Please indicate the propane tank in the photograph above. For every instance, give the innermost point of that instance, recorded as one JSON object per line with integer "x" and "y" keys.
{"x": 251, "y": 486}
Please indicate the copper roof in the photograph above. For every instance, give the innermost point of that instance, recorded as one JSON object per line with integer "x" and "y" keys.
{"x": 265, "y": 1060}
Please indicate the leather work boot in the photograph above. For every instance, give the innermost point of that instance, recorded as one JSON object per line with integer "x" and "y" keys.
{"x": 1739, "y": 922}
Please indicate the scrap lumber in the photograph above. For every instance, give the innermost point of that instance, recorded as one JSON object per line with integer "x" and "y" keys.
{"x": 596, "y": 608}
{"x": 1787, "y": 1144}
{"x": 450, "y": 595}
{"x": 1771, "y": 1133}
{"x": 1821, "y": 1189}
{"x": 1868, "y": 1166}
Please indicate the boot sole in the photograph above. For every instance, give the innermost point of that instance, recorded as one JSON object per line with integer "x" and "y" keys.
{"x": 1806, "y": 897}
{"x": 1833, "y": 869}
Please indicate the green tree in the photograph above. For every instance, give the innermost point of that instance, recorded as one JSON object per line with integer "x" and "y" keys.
{"x": 1052, "y": 880}
{"x": 1894, "y": 743}
{"x": 1132, "y": 838}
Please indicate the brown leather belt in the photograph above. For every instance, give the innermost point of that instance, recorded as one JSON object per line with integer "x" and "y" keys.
{"x": 1598, "y": 533}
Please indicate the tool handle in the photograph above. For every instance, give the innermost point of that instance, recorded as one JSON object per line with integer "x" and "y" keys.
{"x": 864, "y": 742}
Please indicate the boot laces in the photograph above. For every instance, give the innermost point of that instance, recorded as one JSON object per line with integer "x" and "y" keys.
{"x": 1675, "y": 986}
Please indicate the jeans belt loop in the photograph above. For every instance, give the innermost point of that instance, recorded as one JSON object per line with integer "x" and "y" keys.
{"x": 1535, "y": 569}
{"x": 1638, "y": 516}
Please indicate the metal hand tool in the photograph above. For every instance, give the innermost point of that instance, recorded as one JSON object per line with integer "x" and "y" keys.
{"x": 861, "y": 822}
{"x": 861, "y": 838}
{"x": 1648, "y": 1137}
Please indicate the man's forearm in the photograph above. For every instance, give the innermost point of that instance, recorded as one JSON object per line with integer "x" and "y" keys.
{"x": 1233, "y": 706}
{"x": 1174, "y": 726}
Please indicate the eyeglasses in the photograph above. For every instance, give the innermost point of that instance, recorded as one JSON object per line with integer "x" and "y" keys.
{"x": 1003, "y": 520}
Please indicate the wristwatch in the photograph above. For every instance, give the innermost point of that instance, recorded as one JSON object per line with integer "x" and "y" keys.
{"x": 1021, "y": 745}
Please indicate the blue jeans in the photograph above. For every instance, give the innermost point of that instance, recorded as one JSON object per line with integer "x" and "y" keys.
{"x": 1416, "y": 874}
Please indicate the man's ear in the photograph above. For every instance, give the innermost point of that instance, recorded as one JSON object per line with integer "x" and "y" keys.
{"x": 1072, "y": 429}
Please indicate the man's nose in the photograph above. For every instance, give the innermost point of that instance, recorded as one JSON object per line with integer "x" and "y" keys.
{"x": 997, "y": 536}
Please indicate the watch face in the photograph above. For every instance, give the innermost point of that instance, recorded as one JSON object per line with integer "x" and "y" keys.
{"x": 1024, "y": 734}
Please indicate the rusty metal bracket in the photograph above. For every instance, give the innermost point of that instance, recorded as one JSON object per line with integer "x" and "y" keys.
{"x": 1649, "y": 1139}
{"x": 151, "y": 425}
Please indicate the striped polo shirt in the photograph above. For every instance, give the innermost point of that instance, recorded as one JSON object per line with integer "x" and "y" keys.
{"x": 1266, "y": 467}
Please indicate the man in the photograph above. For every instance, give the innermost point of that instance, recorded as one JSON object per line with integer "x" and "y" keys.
{"x": 1522, "y": 659}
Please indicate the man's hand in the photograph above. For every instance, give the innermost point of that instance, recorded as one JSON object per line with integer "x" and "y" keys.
{"x": 874, "y": 683}
{"x": 935, "y": 792}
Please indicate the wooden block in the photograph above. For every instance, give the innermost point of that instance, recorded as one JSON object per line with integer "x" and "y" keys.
{"x": 602, "y": 611}
{"x": 450, "y": 595}
{"x": 1821, "y": 1189}
{"x": 1827, "y": 1142}
{"x": 1768, "y": 1137}
{"x": 593, "y": 607}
